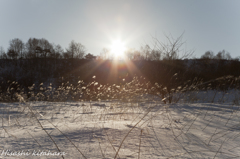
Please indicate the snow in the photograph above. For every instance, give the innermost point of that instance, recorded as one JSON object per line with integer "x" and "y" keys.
{"x": 195, "y": 129}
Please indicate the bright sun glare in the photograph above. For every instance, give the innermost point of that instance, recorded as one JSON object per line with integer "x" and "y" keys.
{"x": 118, "y": 48}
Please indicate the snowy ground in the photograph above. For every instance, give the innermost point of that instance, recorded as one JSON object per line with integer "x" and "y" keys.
{"x": 97, "y": 129}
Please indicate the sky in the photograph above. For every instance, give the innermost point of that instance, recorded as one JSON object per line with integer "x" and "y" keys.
{"x": 207, "y": 24}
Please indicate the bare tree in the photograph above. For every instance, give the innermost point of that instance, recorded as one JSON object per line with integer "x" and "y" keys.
{"x": 223, "y": 55}
{"x": 173, "y": 48}
{"x": 76, "y": 50}
{"x": 105, "y": 53}
{"x": 47, "y": 47}
{"x": 146, "y": 50}
{"x": 31, "y": 46}
{"x": 208, "y": 55}
{"x": 39, "y": 47}
{"x": 155, "y": 55}
{"x": 3, "y": 55}
{"x": 71, "y": 49}
{"x": 80, "y": 50}
{"x": 12, "y": 54}
{"x": 17, "y": 46}
{"x": 58, "y": 51}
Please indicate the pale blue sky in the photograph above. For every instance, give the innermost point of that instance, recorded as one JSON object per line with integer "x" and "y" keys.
{"x": 208, "y": 24}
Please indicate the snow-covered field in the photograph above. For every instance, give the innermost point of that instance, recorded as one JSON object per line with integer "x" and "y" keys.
{"x": 150, "y": 129}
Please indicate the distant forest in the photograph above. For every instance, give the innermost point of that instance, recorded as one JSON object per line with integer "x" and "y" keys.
{"x": 39, "y": 61}
{"x": 42, "y": 48}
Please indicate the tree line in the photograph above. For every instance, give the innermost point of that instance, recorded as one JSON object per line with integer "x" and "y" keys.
{"x": 42, "y": 48}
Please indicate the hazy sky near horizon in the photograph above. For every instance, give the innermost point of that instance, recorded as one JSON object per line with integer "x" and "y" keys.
{"x": 207, "y": 24}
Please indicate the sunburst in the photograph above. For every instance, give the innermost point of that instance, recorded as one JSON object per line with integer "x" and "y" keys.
{"x": 118, "y": 48}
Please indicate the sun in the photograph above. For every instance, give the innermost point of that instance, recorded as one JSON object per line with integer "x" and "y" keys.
{"x": 118, "y": 48}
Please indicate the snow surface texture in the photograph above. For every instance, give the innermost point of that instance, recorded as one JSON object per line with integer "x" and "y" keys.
{"x": 147, "y": 129}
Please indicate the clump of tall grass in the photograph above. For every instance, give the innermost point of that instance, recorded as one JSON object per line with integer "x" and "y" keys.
{"x": 136, "y": 90}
